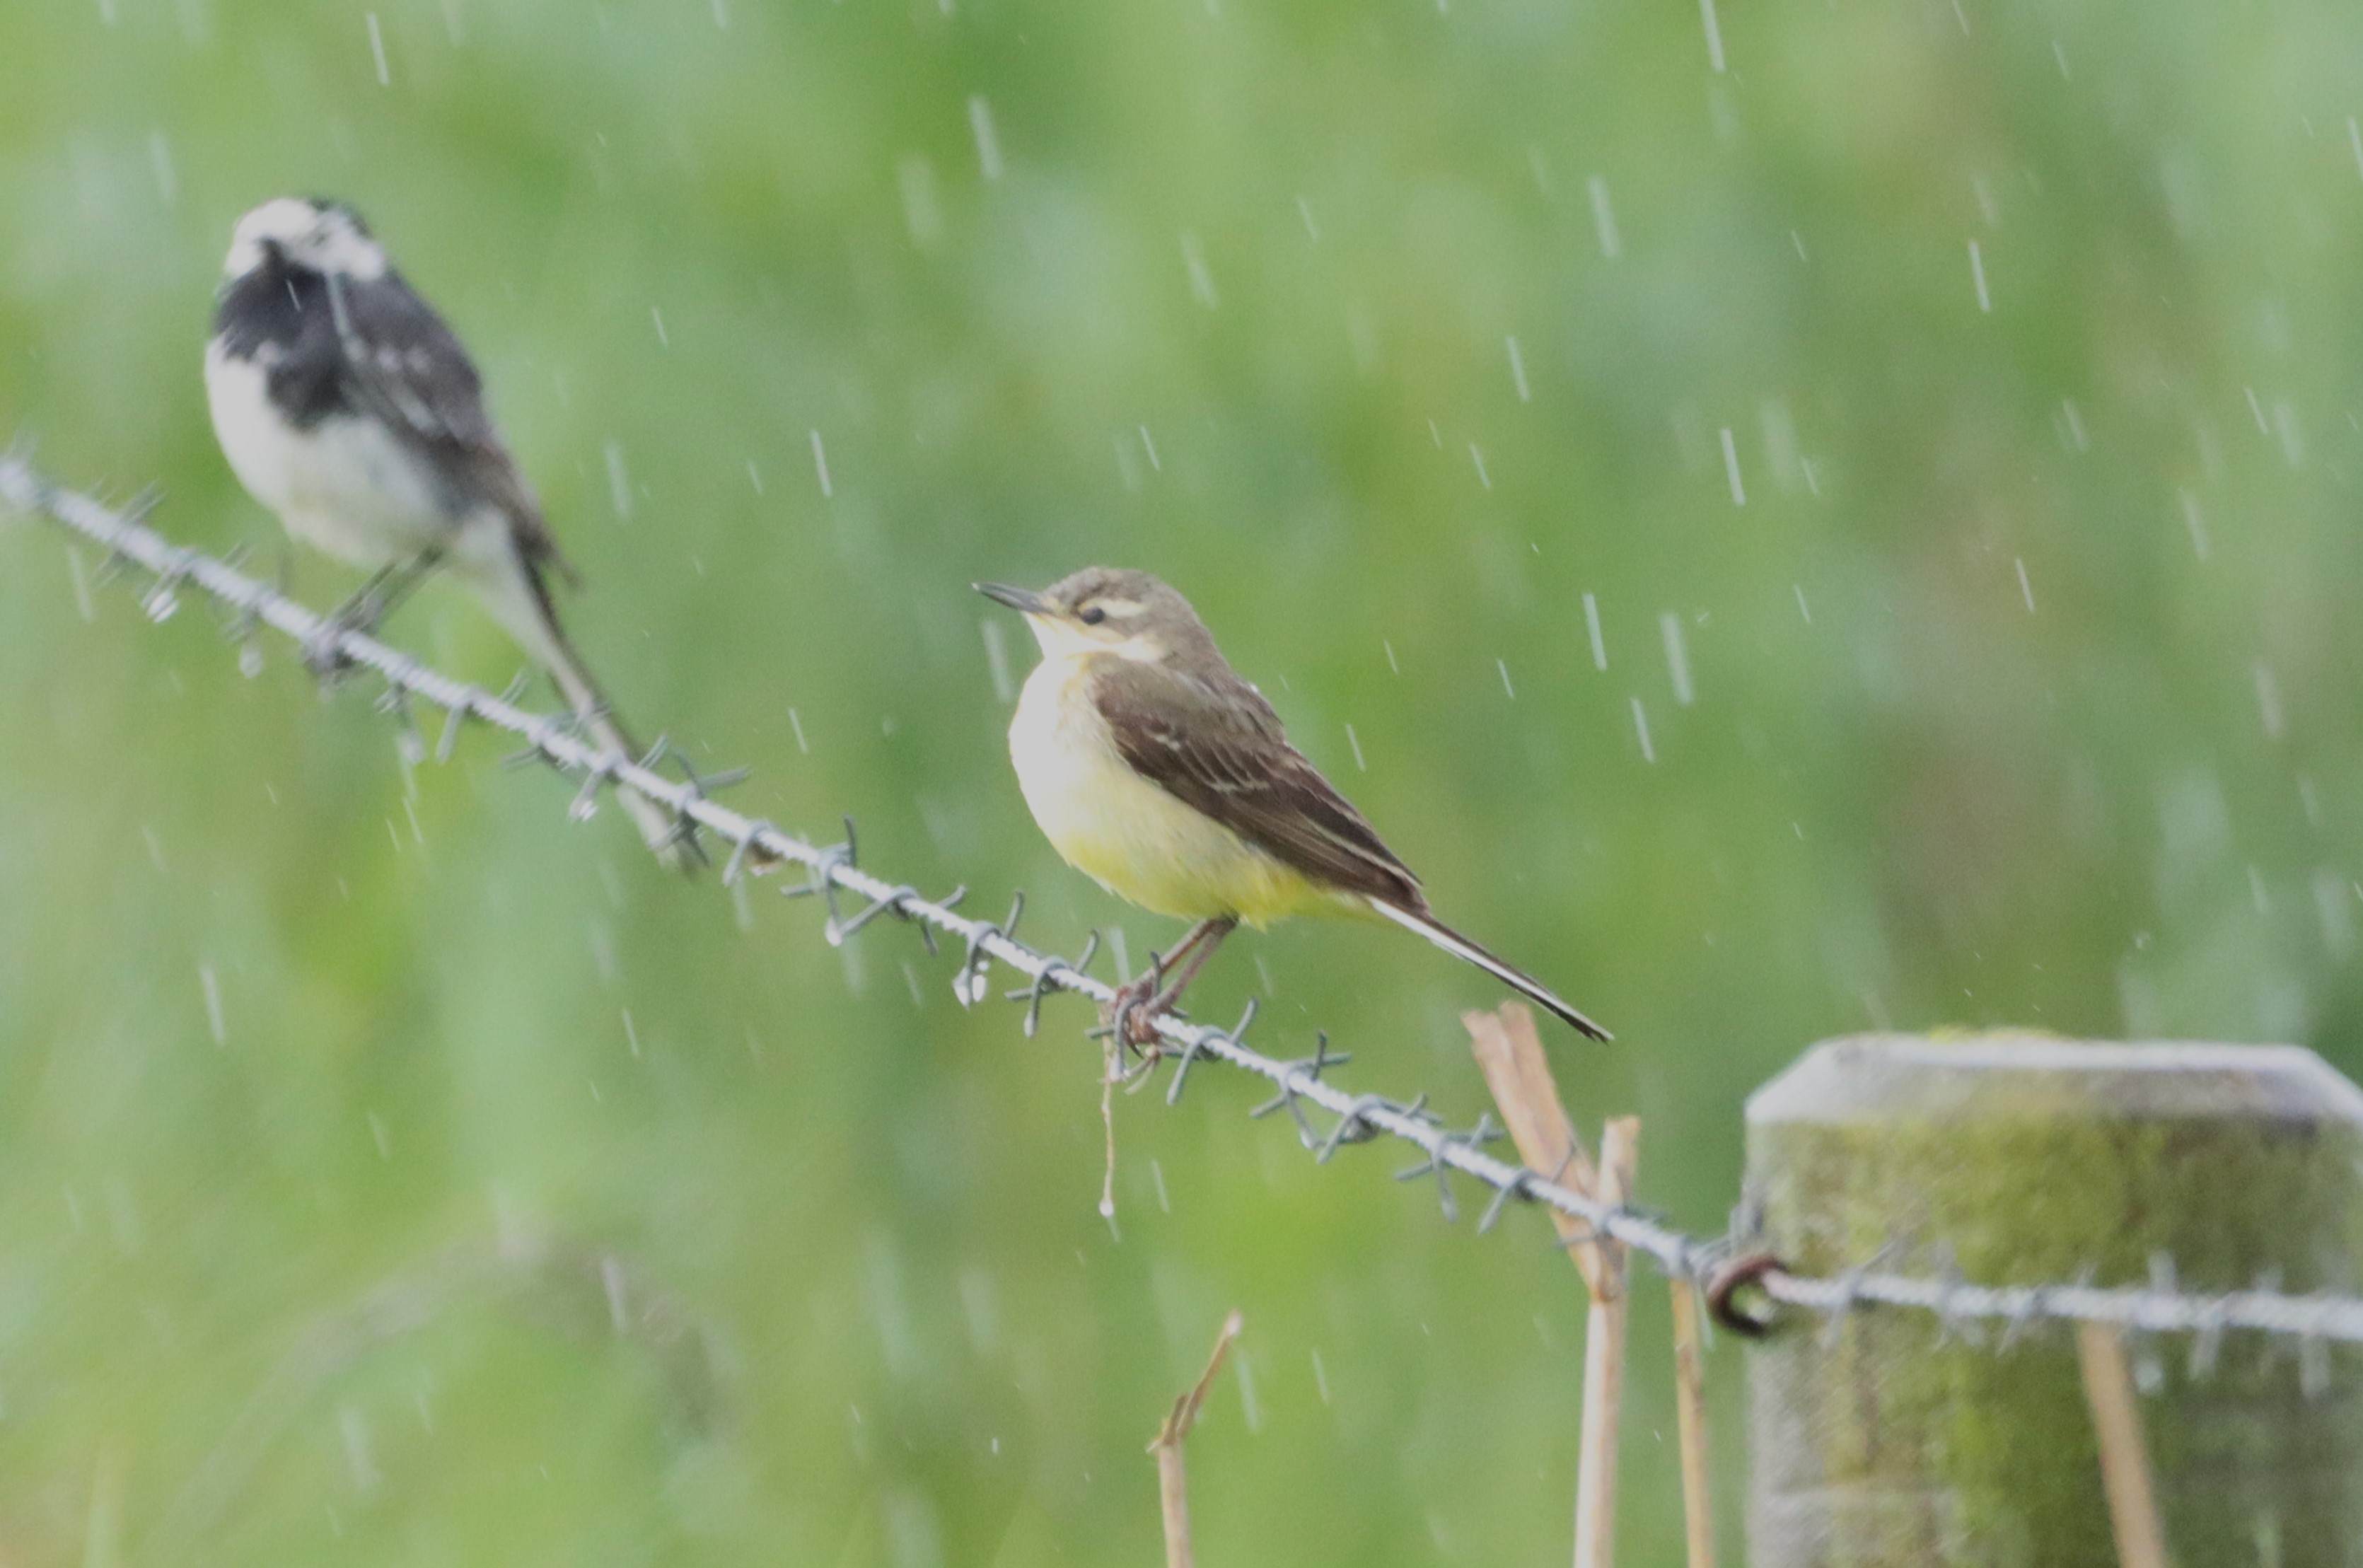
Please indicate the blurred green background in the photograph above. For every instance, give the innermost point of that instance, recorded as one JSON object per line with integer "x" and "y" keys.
{"x": 394, "y": 1171}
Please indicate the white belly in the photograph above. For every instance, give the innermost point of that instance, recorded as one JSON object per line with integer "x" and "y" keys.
{"x": 345, "y": 486}
{"x": 1121, "y": 830}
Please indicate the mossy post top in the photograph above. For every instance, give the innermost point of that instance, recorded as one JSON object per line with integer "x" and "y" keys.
{"x": 1884, "y": 1439}
{"x": 2016, "y": 1074}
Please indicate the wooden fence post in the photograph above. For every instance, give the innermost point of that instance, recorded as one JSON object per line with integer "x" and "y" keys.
{"x": 1518, "y": 1072}
{"x": 1604, "y": 1359}
{"x": 1172, "y": 1475}
{"x": 1690, "y": 1423}
{"x": 2124, "y": 1451}
{"x": 1884, "y": 1439}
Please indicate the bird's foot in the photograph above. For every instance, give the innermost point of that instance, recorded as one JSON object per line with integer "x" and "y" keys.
{"x": 361, "y": 613}
{"x": 322, "y": 655}
{"x": 1132, "y": 1015}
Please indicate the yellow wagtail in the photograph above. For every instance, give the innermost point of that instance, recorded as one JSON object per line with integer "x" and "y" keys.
{"x": 1157, "y": 771}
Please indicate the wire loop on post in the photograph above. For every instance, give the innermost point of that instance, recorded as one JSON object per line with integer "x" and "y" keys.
{"x": 1723, "y": 1290}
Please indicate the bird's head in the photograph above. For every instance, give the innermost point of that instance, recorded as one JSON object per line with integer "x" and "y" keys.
{"x": 1103, "y": 609}
{"x": 324, "y": 236}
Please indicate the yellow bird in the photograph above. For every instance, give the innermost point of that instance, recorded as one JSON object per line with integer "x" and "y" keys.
{"x": 1157, "y": 771}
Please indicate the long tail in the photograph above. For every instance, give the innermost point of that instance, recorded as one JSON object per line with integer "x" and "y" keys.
{"x": 1460, "y": 946}
{"x": 519, "y": 599}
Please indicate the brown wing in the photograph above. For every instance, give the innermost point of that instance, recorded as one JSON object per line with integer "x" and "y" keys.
{"x": 1214, "y": 744}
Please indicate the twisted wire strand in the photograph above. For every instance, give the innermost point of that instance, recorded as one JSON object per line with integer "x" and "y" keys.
{"x": 1359, "y": 1117}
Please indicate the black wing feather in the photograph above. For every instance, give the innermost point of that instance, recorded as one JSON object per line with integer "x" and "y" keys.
{"x": 403, "y": 364}
{"x": 348, "y": 347}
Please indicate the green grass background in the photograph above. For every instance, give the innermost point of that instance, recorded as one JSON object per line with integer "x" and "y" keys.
{"x": 2028, "y": 687}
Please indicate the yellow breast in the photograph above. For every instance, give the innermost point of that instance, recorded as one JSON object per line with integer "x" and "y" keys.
{"x": 1124, "y": 832}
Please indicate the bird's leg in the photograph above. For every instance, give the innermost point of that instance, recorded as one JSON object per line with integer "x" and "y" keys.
{"x": 321, "y": 654}
{"x": 1140, "y": 1004}
{"x": 1131, "y": 995}
{"x": 395, "y": 585}
{"x": 376, "y": 599}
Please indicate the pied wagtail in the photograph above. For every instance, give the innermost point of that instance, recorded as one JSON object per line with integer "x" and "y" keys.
{"x": 347, "y": 407}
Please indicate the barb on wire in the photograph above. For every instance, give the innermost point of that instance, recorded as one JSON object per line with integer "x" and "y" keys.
{"x": 1191, "y": 1053}
{"x": 1032, "y": 992}
{"x": 1310, "y": 1067}
{"x": 1486, "y": 1131}
{"x": 973, "y": 984}
{"x": 2312, "y": 1321}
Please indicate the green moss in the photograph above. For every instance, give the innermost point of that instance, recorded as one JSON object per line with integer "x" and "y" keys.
{"x": 1888, "y": 1445}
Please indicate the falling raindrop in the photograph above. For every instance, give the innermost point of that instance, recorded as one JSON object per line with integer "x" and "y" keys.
{"x": 2332, "y": 904}
{"x": 2072, "y": 423}
{"x": 619, "y": 481}
{"x": 354, "y": 1428}
{"x": 2269, "y": 701}
{"x": 996, "y": 660}
{"x": 2196, "y": 524}
{"x": 1713, "y": 35}
{"x": 159, "y": 158}
{"x": 2293, "y": 439}
{"x": 1780, "y": 442}
{"x": 1678, "y": 659}
{"x": 1202, "y": 281}
{"x": 1603, "y": 219}
{"x": 211, "y": 985}
{"x": 988, "y": 140}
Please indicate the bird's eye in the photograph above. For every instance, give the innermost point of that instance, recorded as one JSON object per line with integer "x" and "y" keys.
{"x": 1091, "y": 617}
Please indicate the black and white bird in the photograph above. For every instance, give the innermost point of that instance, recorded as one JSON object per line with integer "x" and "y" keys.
{"x": 347, "y": 407}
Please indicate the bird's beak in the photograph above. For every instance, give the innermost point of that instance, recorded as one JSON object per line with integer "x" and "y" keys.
{"x": 1025, "y": 601}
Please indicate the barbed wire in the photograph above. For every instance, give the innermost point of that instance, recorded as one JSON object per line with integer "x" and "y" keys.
{"x": 1722, "y": 1264}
